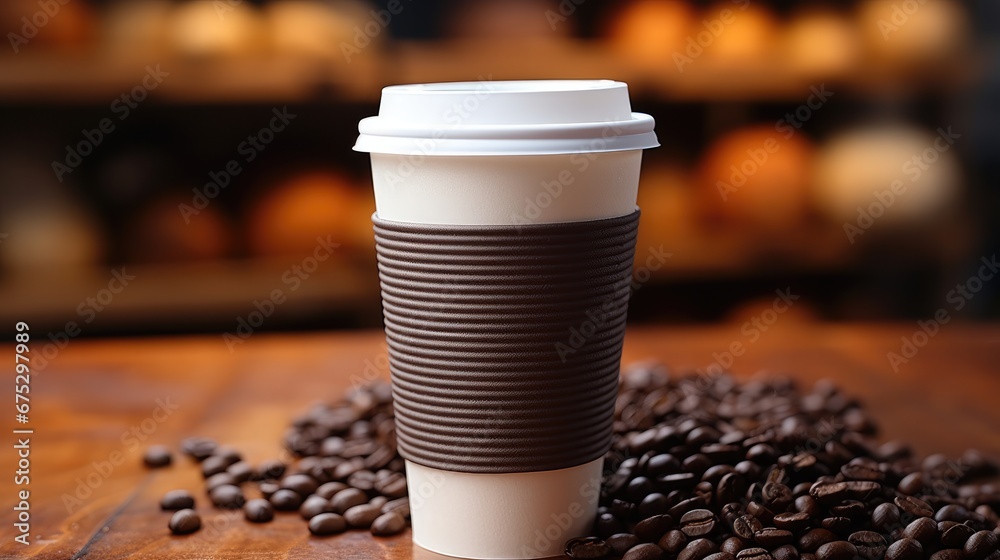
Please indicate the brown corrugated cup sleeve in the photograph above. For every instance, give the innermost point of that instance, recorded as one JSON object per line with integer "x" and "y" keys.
{"x": 505, "y": 341}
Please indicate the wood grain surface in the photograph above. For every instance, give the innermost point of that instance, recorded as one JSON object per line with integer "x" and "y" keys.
{"x": 93, "y": 403}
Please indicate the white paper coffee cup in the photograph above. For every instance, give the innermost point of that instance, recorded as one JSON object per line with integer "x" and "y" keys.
{"x": 504, "y": 154}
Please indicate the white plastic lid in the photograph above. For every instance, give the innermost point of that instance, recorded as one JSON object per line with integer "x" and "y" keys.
{"x": 529, "y": 117}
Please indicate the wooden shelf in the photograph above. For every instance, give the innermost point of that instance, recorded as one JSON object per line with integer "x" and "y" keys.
{"x": 53, "y": 77}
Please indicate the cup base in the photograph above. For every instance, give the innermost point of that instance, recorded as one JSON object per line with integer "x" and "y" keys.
{"x": 502, "y": 516}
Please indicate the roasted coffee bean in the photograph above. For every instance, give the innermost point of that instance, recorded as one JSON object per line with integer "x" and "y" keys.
{"x": 301, "y": 483}
{"x": 198, "y": 448}
{"x": 653, "y": 504}
{"x": 269, "y": 469}
{"x": 912, "y": 484}
{"x": 157, "y": 456}
{"x": 794, "y": 522}
{"x": 870, "y": 545}
{"x": 363, "y": 480}
{"x": 326, "y": 524}
{"x": 177, "y": 500}
{"x": 400, "y": 505}
{"x": 268, "y": 488}
{"x": 720, "y": 556}
{"x": 805, "y": 504}
{"x": 905, "y": 549}
{"x": 361, "y": 516}
{"x": 662, "y": 464}
{"x": 697, "y": 550}
{"x": 923, "y": 529}
{"x": 885, "y": 517}
{"x": 583, "y": 547}
{"x": 829, "y": 493}
{"x": 838, "y": 525}
{"x": 184, "y": 521}
{"x": 762, "y": 513}
{"x": 732, "y": 487}
{"x": 956, "y": 535}
{"x": 346, "y": 499}
{"x": 285, "y": 500}
{"x": 732, "y": 545}
{"x": 607, "y": 525}
{"x": 948, "y": 554}
{"x": 862, "y": 489}
{"x": 392, "y": 486}
{"x": 241, "y": 471}
{"x": 213, "y": 465}
{"x": 229, "y": 455}
{"x": 652, "y": 528}
{"x": 220, "y": 479}
{"x": 644, "y": 551}
{"x": 776, "y": 496}
{"x": 677, "y": 481}
{"x": 754, "y": 554}
{"x": 673, "y": 541}
{"x": 698, "y": 523}
{"x": 258, "y": 510}
{"x": 715, "y": 473}
{"x": 914, "y": 506}
{"x": 313, "y": 506}
{"x": 746, "y": 526}
{"x": 786, "y": 552}
{"x": 620, "y": 543}
{"x": 638, "y": 488}
{"x": 856, "y": 471}
{"x": 771, "y": 537}
{"x": 815, "y": 538}
{"x": 762, "y": 454}
{"x": 392, "y": 523}
{"x": 837, "y": 550}
{"x": 227, "y": 496}
{"x": 622, "y": 509}
{"x": 687, "y": 505}
{"x": 330, "y": 489}
{"x": 981, "y": 544}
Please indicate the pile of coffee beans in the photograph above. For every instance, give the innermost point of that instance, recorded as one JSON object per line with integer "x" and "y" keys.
{"x": 702, "y": 468}
{"x": 705, "y": 468}
{"x": 344, "y": 472}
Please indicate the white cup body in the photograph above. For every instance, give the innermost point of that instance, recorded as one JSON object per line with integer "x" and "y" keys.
{"x": 504, "y": 153}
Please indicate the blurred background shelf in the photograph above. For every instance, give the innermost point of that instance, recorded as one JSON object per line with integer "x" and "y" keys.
{"x": 717, "y": 96}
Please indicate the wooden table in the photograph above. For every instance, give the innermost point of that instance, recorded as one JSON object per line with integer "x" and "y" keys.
{"x": 91, "y": 398}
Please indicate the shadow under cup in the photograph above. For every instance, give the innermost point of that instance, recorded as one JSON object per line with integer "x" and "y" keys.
{"x": 505, "y": 282}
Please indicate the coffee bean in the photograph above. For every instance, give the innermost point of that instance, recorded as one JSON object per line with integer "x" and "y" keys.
{"x": 980, "y": 545}
{"x": 905, "y": 549}
{"x": 794, "y": 522}
{"x": 269, "y": 469}
{"x": 754, "y": 554}
{"x": 157, "y": 456}
{"x": 213, "y": 465}
{"x": 313, "y": 506}
{"x": 786, "y": 552}
{"x": 776, "y": 496}
{"x": 644, "y": 551}
{"x": 863, "y": 489}
{"x": 267, "y": 489}
{"x": 838, "y": 525}
{"x": 198, "y": 448}
{"x": 326, "y": 524}
{"x": 176, "y": 500}
{"x": 229, "y": 455}
{"x": 837, "y": 550}
{"x": 240, "y": 471}
{"x": 392, "y": 486}
{"x": 392, "y": 523}
{"x": 732, "y": 487}
{"x": 923, "y": 529}
{"x": 746, "y": 526}
{"x": 361, "y": 516}
{"x": 330, "y": 489}
{"x": 286, "y": 500}
{"x": 620, "y": 543}
{"x": 697, "y": 550}
{"x": 855, "y": 471}
{"x": 673, "y": 541}
{"x": 885, "y": 517}
{"x": 184, "y": 521}
{"x": 830, "y": 493}
{"x": 912, "y": 484}
{"x": 720, "y": 556}
{"x": 914, "y": 506}
{"x": 638, "y": 488}
{"x": 652, "y": 528}
{"x": 582, "y": 547}
{"x": 762, "y": 513}
{"x": 956, "y": 535}
{"x": 653, "y": 504}
{"x": 805, "y": 504}
{"x": 258, "y": 511}
{"x": 220, "y": 479}
{"x": 870, "y": 545}
{"x": 687, "y": 505}
{"x": 678, "y": 481}
{"x": 227, "y": 496}
{"x": 607, "y": 525}
{"x": 303, "y": 484}
{"x": 662, "y": 464}
{"x": 771, "y": 537}
{"x": 697, "y": 523}
{"x": 732, "y": 545}
{"x": 815, "y": 538}
{"x": 948, "y": 554}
